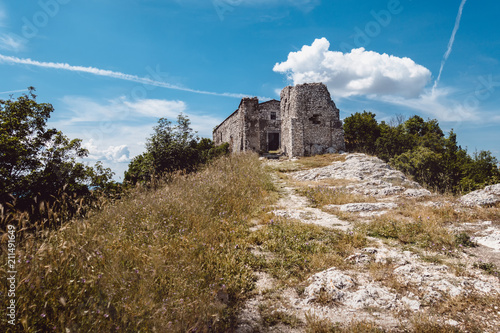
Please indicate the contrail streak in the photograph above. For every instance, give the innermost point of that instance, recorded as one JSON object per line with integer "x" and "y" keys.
{"x": 450, "y": 43}
{"x": 12, "y": 91}
{"x": 116, "y": 75}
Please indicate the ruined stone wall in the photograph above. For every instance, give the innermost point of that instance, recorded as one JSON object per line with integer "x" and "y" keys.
{"x": 249, "y": 109}
{"x": 267, "y": 124}
{"x": 230, "y": 131}
{"x": 305, "y": 122}
{"x": 311, "y": 124}
{"x": 291, "y": 127}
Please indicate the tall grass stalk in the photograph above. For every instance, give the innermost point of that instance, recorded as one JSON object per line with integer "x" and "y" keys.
{"x": 170, "y": 260}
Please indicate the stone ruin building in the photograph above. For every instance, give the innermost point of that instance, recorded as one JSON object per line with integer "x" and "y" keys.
{"x": 305, "y": 122}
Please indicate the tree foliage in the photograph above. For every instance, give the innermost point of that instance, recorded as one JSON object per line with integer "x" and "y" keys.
{"x": 361, "y": 130}
{"x": 420, "y": 149}
{"x": 172, "y": 148}
{"x": 39, "y": 164}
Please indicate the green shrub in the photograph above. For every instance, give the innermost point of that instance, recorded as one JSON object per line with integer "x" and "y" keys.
{"x": 420, "y": 149}
{"x": 172, "y": 148}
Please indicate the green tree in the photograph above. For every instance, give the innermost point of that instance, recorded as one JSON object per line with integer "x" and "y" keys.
{"x": 420, "y": 149}
{"x": 392, "y": 142}
{"x": 171, "y": 148}
{"x": 423, "y": 164}
{"x": 424, "y": 133}
{"x": 482, "y": 170}
{"x": 361, "y": 131}
{"x": 454, "y": 160}
{"x": 38, "y": 163}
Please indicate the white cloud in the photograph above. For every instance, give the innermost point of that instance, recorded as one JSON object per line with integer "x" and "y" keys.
{"x": 11, "y": 42}
{"x": 118, "y": 121}
{"x": 450, "y": 43}
{"x": 437, "y": 103}
{"x": 85, "y": 110}
{"x": 157, "y": 107}
{"x": 113, "y": 154}
{"x": 359, "y": 72}
{"x": 13, "y": 91}
{"x": 114, "y": 131}
{"x": 382, "y": 78}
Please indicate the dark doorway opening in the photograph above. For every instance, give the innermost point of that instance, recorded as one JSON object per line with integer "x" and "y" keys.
{"x": 273, "y": 141}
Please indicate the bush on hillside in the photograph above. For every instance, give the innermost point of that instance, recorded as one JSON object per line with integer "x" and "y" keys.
{"x": 172, "y": 148}
{"x": 420, "y": 149}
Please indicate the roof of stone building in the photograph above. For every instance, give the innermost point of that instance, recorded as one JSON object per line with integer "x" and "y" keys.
{"x": 269, "y": 101}
{"x": 232, "y": 114}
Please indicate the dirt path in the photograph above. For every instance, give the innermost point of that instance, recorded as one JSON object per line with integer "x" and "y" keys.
{"x": 295, "y": 206}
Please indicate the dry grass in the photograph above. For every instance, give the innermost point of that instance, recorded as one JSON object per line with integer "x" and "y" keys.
{"x": 422, "y": 232}
{"x": 315, "y": 324}
{"x": 42, "y": 215}
{"x": 326, "y": 195}
{"x": 427, "y": 324}
{"x": 302, "y": 249}
{"x": 306, "y": 163}
{"x": 173, "y": 260}
{"x": 477, "y": 313}
{"x": 283, "y": 167}
{"x": 429, "y": 226}
{"x": 411, "y": 223}
{"x": 272, "y": 313}
{"x": 481, "y": 214}
{"x": 319, "y": 161}
{"x": 332, "y": 182}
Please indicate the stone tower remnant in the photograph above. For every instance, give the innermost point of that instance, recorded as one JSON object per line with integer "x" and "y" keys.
{"x": 305, "y": 122}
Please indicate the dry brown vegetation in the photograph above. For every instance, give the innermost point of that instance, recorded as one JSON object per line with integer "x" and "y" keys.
{"x": 318, "y": 325}
{"x": 171, "y": 260}
{"x": 326, "y": 195}
{"x": 319, "y": 161}
{"x": 305, "y": 163}
{"x": 299, "y": 250}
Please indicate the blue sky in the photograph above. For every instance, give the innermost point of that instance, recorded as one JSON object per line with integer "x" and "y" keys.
{"x": 112, "y": 68}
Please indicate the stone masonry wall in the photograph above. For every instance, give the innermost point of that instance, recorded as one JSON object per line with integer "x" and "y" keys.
{"x": 266, "y": 124}
{"x": 249, "y": 110}
{"x": 311, "y": 124}
{"x": 230, "y": 131}
{"x": 305, "y": 122}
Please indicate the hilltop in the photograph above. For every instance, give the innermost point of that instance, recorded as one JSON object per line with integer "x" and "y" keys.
{"x": 330, "y": 243}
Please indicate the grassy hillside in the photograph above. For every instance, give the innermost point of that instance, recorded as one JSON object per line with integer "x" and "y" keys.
{"x": 170, "y": 260}
{"x": 202, "y": 250}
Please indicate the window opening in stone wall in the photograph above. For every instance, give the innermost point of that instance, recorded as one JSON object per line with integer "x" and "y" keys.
{"x": 315, "y": 119}
{"x": 273, "y": 115}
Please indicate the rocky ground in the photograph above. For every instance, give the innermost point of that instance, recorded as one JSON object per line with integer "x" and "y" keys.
{"x": 390, "y": 284}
